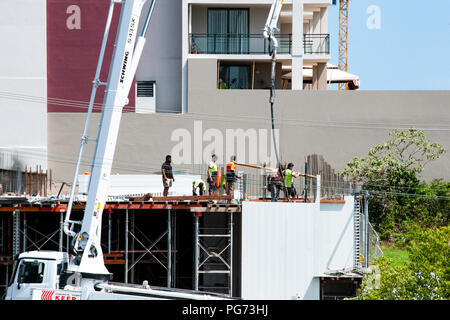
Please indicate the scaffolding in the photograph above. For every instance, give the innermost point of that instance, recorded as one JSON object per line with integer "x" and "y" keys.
{"x": 139, "y": 238}
{"x": 357, "y": 234}
{"x": 213, "y": 257}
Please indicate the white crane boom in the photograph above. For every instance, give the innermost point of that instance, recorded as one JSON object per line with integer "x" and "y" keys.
{"x": 87, "y": 272}
{"x": 272, "y": 19}
{"x": 88, "y": 259}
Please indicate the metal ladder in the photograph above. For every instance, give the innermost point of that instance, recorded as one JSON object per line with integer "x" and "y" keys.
{"x": 357, "y": 234}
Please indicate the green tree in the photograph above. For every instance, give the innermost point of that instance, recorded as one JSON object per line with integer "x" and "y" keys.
{"x": 426, "y": 275}
{"x": 391, "y": 173}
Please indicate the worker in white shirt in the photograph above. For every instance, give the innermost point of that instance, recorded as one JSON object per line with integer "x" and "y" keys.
{"x": 212, "y": 175}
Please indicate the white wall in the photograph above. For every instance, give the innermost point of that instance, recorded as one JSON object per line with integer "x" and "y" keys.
{"x": 23, "y": 132}
{"x": 161, "y": 58}
{"x": 287, "y": 246}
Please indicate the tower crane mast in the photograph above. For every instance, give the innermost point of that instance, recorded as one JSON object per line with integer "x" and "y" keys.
{"x": 343, "y": 38}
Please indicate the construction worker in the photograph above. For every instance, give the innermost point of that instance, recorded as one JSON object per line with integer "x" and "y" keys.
{"x": 212, "y": 175}
{"x": 200, "y": 185}
{"x": 167, "y": 175}
{"x": 289, "y": 176}
{"x": 222, "y": 84}
{"x": 231, "y": 175}
{"x": 275, "y": 183}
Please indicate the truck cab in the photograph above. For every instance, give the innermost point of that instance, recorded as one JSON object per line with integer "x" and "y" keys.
{"x": 36, "y": 270}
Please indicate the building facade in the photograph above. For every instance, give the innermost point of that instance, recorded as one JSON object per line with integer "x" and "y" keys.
{"x": 201, "y": 88}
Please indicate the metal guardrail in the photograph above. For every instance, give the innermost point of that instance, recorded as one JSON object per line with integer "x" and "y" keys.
{"x": 254, "y": 185}
{"x": 236, "y": 44}
{"x": 316, "y": 43}
{"x": 254, "y": 43}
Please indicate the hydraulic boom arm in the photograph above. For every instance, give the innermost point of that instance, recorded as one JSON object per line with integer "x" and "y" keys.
{"x": 88, "y": 256}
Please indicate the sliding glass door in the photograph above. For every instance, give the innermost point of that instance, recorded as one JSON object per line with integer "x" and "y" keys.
{"x": 228, "y": 31}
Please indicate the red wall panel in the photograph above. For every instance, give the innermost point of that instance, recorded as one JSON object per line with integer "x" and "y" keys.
{"x": 74, "y": 34}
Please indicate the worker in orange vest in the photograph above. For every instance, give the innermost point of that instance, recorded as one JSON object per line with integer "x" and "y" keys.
{"x": 231, "y": 175}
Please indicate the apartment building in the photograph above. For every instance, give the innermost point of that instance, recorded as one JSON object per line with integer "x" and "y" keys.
{"x": 231, "y": 32}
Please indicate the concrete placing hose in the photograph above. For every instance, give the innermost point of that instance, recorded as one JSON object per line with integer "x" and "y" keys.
{"x": 273, "y": 46}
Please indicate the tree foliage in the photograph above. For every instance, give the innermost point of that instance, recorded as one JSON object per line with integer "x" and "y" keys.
{"x": 397, "y": 161}
{"x": 426, "y": 275}
{"x": 400, "y": 201}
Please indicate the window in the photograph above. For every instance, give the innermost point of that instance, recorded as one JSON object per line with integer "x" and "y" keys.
{"x": 61, "y": 267}
{"x": 228, "y": 31}
{"x": 234, "y": 77}
{"x": 31, "y": 272}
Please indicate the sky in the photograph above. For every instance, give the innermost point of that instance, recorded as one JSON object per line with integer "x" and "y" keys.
{"x": 405, "y": 45}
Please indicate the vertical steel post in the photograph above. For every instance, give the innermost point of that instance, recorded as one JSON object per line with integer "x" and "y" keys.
{"x": 109, "y": 232}
{"x": 244, "y": 188}
{"x": 174, "y": 269}
{"x": 196, "y": 251}
{"x": 67, "y": 242}
{"x": 24, "y": 240}
{"x": 61, "y": 230}
{"x": 16, "y": 233}
{"x": 132, "y": 222}
{"x": 169, "y": 249}
{"x": 264, "y": 186}
{"x": 306, "y": 181}
{"x": 126, "y": 245}
{"x": 366, "y": 230}
{"x": 231, "y": 254}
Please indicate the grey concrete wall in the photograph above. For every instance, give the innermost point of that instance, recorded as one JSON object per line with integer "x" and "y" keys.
{"x": 161, "y": 59}
{"x": 23, "y": 130}
{"x": 338, "y": 125}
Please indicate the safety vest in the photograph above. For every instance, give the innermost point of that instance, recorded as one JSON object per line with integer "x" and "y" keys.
{"x": 288, "y": 176}
{"x": 197, "y": 184}
{"x": 231, "y": 168}
{"x": 218, "y": 179}
{"x": 231, "y": 172}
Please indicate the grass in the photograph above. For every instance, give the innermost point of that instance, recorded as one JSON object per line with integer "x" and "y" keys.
{"x": 399, "y": 256}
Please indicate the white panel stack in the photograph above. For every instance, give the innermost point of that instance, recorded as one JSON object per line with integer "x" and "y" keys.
{"x": 287, "y": 246}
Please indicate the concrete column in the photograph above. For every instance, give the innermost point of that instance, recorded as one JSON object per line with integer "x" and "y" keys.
{"x": 297, "y": 45}
{"x": 321, "y": 76}
{"x": 184, "y": 54}
{"x": 316, "y": 22}
{"x": 323, "y": 20}
{"x": 314, "y": 78}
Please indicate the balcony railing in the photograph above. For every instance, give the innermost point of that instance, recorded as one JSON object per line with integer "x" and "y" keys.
{"x": 316, "y": 43}
{"x": 254, "y": 44}
{"x": 237, "y": 44}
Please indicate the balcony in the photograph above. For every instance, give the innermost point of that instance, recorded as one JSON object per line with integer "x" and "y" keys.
{"x": 236, "y": 44}
{"x": 254, "y": 44}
